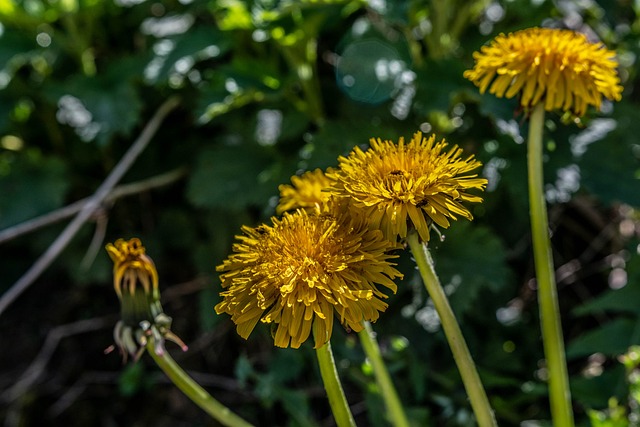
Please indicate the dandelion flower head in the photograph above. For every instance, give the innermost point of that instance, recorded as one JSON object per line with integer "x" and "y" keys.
{"x": 306, "y": 191}
{"x": 131, "y": 266}
{"x": 560, "y": 68}
{"x": 301, "y": 271}
{"x": 418, "y": 183}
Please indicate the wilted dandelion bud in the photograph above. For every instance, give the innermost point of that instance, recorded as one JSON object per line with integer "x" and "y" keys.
{"x": 135, "y": 281}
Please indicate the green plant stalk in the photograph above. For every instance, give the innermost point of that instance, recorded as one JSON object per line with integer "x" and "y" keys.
{"x": 302, "y": 58}
{"x": 462, "y": 356}
{"x": 194, "y": 391}
{"x": 335, "y": 394}
{"x": 559, "y": 392}
{"x": 397, "y": 417}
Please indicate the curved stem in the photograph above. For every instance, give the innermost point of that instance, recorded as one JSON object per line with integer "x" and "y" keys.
{"x": 194, "y": 391}
{"x": 397, "y": 417}
{"x": 335, "y": 394}
{"x": 559, "y": 392}
{"x": 466, "y": 366}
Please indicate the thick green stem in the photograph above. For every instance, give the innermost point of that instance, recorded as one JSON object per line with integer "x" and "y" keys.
{"x": 466, "y": 366}
{"x": 194, "y": 391}
{"x": 335, "y": 394}
{"x": 395, "y": 410}
{"x": 559, "y": 392}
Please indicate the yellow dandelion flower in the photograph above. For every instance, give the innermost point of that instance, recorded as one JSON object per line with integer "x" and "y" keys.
{"x": 297, "y": 273}
{"x": 558, "y": 67}
{"x": 131, "y": 266}
{"x": 307, "y": 191}
{"x": 417, "y": 183}
{"x": 135, "y": 280}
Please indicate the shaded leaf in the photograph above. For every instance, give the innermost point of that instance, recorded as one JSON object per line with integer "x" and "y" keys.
{"x": 232, "y": 177}
{"x": 471, "y": 259}
{"x": 34, "y": 185}
{"x": 97, "y": 107}
{"x": 182, "y": 52}
{"x": 439, "y": 83}
{"x": 624, "y": 300}
{"x": 621, "y": 300}
{"x": 595, "y": 392}
{"x": 611, "y": 339}
{"x": 611, "y": 167}
{"x": 15, "y": 48}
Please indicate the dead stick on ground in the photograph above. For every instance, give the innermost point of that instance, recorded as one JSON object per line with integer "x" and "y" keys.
{"x": 87, "y": 210}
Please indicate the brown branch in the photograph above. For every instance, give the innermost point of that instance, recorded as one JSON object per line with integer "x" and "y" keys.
{"x": 68, "y": 211}
{"x": 89, "y": 207}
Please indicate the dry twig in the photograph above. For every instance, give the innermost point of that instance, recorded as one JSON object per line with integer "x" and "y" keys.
{"x": 89, "y": 207}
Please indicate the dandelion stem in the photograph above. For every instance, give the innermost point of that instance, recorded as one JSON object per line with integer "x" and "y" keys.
{"x": 335, "y": 394}
{"x": 466, "y": 366}
{"x": 194, "y": 391}
{"x": 397, "y": 416}
{"x": 559, "y": 392}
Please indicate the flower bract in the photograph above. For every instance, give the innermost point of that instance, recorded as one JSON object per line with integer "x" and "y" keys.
{"x": 301, "y": 271}
{"x": 560, "y": 68}
{"x": 408, "y": 184}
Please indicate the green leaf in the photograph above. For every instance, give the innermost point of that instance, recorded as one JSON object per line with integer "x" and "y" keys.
{"x": 15, "y": 49}
{"x": 182, "y": 52}
{"x": 610, "y": 168}
{"x": 287, "y": 365}
{"x": 232, "y": 177}
{"x": 96, "y": 108}
{"x": 243, "y": 369}
{"x": 611, "y": 339}
{"x": 33, "y": 186}
{"x": 596, "y": 391}
{"x": 469, "y": 261}
{"x": 296, "y": 403}
{"x": 624, "y": 300}
{"x": 438, "y": 83}
{"x": 371, "y": 67}
{"x": 619, "y": 300}
{"x": 244, "y": 81}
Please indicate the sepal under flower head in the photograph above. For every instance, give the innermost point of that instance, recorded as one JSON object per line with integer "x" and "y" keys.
{"x": 400, "y": 185}
{"x": 560, "y": 68}
{"x": 301, "y": 271}
{"x": 135, "y": 280}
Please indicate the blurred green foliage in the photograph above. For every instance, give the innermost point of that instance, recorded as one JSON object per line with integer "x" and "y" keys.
{"x": 268, "y": 89}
